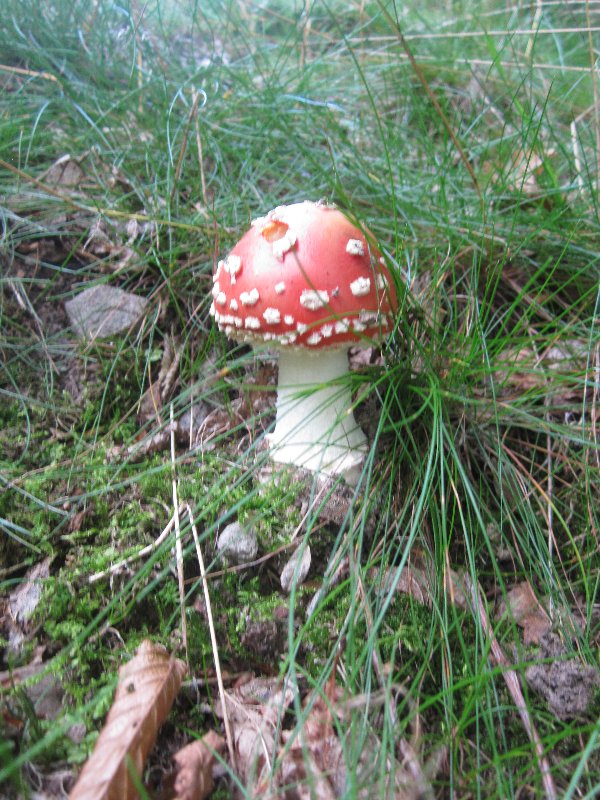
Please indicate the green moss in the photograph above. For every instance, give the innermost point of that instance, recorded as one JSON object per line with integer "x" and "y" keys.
{"x": 322, "y": 630}
{"x": 66, "y": 610}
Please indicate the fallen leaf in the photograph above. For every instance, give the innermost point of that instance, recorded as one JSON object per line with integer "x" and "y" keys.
{"x": 78, "y": 518}
{"x": 66, "y": 172}
{"x": 219, "y": 422}
{"x": 300, "y": 774}
{"x": 416, "y": 579}
{"x": 524, "y": 607}
{"x": 194, "y": 765}
{"x": 145, "y": 692}
{"x": 12, "y": 677}
{"x": 325, "y": 769}
{"x": 523, "y": 368}
{"x": 21, "y": 606}
{"x": 313, "y": 761}
{"x": 361, "y": 357}
{"x": 308, "y": 760}
{"x": 155, "y": 397}
{"x": 254, "y": 710}
{"x": 527, "y": 169}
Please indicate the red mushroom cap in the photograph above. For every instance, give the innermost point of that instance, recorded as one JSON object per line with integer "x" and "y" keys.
{"x": 303, "y": 275}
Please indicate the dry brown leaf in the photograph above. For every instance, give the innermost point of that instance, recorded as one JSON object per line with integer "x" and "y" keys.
{"x": 254, "y": 710}
{"x": 155, "y": 397}
{"x": 313, "y": 764}
{"x": 417, "y": 580}
{"x": 301, "y": 777}
{"x": 527, "y": 169}
{"x": 315, "y": 760}
{"x": 66, "y": 172}
{"x": 194, "y": 764}
{"x": 522, "y": 604}
{"x": 361, "y": 357}
{"x": 145, "y": 692}
{"x": 308, "y": 762}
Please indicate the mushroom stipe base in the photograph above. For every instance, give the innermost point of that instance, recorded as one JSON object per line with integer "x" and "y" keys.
{"x": 315, "y": 426}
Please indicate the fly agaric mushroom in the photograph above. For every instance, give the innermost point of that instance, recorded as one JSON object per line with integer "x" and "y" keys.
{"x": 305, "y": 281}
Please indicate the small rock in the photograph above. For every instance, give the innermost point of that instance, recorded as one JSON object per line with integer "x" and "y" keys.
{"x": 262, "y": 637}
{"x": 237, "y": 544}
{"x": 567, "y": 685}
{"x": 103, "y": 311}
{"x": 294, "y": 573}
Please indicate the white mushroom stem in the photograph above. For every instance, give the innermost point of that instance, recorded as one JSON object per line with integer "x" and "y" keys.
{"x": 315, "y": 427}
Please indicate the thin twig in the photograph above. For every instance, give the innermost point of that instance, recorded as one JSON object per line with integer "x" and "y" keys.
{"x": 139, "y": 63}
{"x": 478, "y": 34}
{"x": 535, "y": 27}
{"x": 213, "y": 639}
{"x": 178, "y": 547}
{"x": 145, "y": 551}
{"x": 577, "y": 159}
{"x": 550, "y": 493}
{"x": 30, "y": 73}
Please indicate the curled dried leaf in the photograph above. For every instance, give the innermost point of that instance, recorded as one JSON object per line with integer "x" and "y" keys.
{"x": 194, "y": 766}
{"x": 522, "y": 604}
{"x": 254, "y": 710}
{"x": 145, "y": 692}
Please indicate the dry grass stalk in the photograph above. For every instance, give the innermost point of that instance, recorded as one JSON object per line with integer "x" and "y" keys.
{"x": 178, "y": 546}
{"x": 213, "y": 639}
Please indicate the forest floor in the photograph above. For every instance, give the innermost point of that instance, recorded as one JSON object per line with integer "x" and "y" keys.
{"x": 432, "y": 632}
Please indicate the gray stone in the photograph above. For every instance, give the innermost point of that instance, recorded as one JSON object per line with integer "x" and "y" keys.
{"x": 296, "y": 569}
{"x": 237, "y": 544}
{"x": 102, "y": 311}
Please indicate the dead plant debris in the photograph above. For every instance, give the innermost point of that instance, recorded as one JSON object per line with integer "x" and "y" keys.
{"x": 147, "y": 686}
